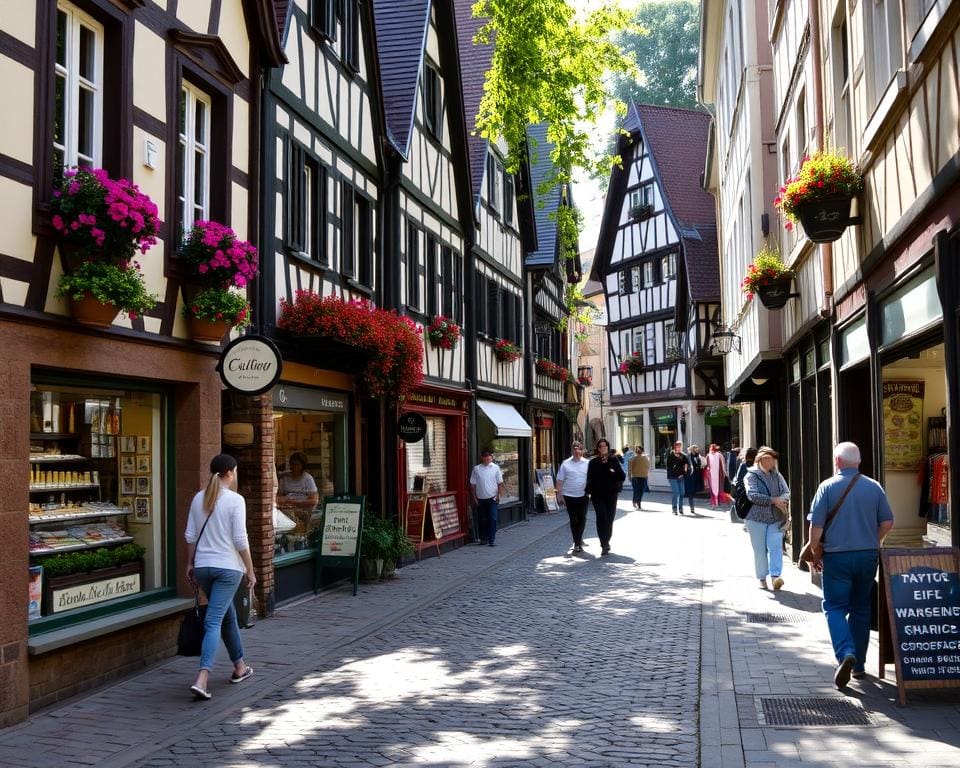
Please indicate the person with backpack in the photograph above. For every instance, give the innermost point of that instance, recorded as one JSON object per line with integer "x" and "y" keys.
{"x": 746, "y": 461}
{"x": 769, "y": 496}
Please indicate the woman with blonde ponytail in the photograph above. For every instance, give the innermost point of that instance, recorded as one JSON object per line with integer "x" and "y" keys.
{"x": 218, "y": 556}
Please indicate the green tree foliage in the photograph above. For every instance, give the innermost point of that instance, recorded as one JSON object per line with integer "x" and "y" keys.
{"x": 664, "y": 41}
{"x": 549, "y": 66}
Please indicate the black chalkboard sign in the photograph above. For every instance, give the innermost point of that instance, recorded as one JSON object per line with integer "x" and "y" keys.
{"x": 922, "y": 588}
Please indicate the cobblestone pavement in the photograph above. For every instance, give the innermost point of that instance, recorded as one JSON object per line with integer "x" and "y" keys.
{"x": 550, "y": 659}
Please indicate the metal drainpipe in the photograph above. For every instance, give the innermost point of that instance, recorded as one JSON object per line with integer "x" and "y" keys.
{"x": 826, "y": 249}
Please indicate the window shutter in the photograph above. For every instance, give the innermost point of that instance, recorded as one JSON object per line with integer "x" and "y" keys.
{"x": 493, "y": 315}
{"x": 432, "y": 277}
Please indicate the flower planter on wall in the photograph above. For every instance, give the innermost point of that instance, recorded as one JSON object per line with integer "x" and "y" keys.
{"x": 775, "y": 293}
{"x": 208, "y": 331}
{"x": 92, "y": 311}
{"x": 825, "y": 221}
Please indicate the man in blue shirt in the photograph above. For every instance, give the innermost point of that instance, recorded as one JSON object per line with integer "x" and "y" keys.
{"x": 848, "y": 555}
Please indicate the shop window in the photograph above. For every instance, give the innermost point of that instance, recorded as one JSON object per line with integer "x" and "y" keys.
{"x": 506, "y": 454}
{"x": 664, "y": 422}
{"x": 310, "y": 457}
{"x": 911, "y": 308}
{"x": 78, "y": 89}
{"x": 97, "y": 520}
{"x": 193, "y": 188}
{"x": 427, "y": 459}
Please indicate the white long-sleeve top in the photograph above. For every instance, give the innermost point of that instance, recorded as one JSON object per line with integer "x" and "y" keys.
{"x": 225, "y": 535}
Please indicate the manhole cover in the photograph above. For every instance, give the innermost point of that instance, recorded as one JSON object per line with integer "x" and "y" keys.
{"x": 811, "y": 711}
{"x": 775, "y": 618}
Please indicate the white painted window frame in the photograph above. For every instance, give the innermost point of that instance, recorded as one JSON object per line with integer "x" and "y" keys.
{"x": 75, "y": 83}
{"x": 190, "y": 148}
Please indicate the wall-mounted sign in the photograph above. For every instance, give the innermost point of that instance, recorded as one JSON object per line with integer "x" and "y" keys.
{"x": 237, "y": 434}
{"x": 902, "y": 423}
{"x": 92, "y": 592}
{"x": 304, "y": 398}
{"x": 250, "y": 365}
{"x": 411, "y": 427}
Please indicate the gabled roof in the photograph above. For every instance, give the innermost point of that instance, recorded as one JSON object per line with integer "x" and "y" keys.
{"x": 474, "y": 62}
{"x": 545, "y": 205}
{"x": 280, "y": 9}
{"x": 701, "y": 259}
{"x": 401, "y": 28}
{"x": 677, "y": 142}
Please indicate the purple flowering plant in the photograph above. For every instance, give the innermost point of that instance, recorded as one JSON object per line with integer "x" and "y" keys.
{"x": 106, "y": 219}
{"x": 217, "y": 257}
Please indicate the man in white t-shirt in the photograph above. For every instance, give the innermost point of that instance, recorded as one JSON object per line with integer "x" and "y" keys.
{"x": 486, "y": 485}
{"x": 572, "y": 492}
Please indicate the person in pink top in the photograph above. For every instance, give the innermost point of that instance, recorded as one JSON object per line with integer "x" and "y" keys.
{"x": 715, "y": 473}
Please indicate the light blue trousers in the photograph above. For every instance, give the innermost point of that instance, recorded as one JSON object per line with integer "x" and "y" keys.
{"x": 767, "y": 542}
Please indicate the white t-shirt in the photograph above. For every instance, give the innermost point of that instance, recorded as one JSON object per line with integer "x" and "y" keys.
{"x": 573, "y": 475}
{"x": 297, "y": 487}
{"x": 225, "y": 535}
{"x": 487, "y": 479}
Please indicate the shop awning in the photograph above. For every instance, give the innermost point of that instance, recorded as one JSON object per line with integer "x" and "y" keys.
{"x": 505, "y": 418}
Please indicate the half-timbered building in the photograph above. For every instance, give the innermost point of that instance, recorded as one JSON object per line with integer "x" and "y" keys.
{"x": 658, "y": 221}
{"x": 549, "y": 269}
{"x": 428, "y": 222}
{"x": 503, "y": 231}
{"x": 321, "y": 178}
{"x": 113, "y": 425}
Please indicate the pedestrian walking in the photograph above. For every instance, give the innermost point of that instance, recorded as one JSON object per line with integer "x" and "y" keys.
{"x": 678, "y": 464}
{"x": 605, "y": 477}
{"x": 769, "y": 515}
{"x": 716, "y": 473}
{"x": 849, "y": 518}
{"x": 572, "y": 492}
{"x": 486, "y": 486}
{"x": 693, "y": 480}
{"x": 639, "y": 473}
{"x": 628, "y": 454}
{"x": 218, "y": 556}
{"x": 746, "y": 460}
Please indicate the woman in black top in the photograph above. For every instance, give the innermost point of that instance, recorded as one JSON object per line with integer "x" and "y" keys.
{"x": 605, "y": 477}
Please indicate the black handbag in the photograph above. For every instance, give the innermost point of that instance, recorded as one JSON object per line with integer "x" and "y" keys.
{"x": 190, "y": 639}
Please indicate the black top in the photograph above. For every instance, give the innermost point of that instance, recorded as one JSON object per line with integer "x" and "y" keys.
{"x": 604, "y": 477}
{"x": 677, "y": 464}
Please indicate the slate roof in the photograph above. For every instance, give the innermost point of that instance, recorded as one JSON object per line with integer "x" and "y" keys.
{"x": 401, "y": 29}
{"x": 544, "y": 205}
{"x": 280, "y": 8}
{"x": 474, "y": 62}
{"x": 702, "y": 263}
{"x": 677, "y": 140}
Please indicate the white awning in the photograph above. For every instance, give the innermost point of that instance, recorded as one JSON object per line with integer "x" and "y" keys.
{"x": 505, "y": 418}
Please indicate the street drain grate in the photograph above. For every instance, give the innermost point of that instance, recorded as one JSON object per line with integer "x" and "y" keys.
{"x": 776, "y": 618}
{"x": 805, "y": 711}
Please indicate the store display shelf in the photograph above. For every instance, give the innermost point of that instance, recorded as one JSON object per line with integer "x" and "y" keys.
{"x": 54, "y": 435}
{"x": 63, "y": 487}
{"x": 55, "y": 517}
{"x": 91, "y": 545}
{"x": 49, "y": 458}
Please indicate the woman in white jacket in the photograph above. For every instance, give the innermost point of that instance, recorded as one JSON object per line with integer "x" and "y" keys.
{"x": 218, "y": 556}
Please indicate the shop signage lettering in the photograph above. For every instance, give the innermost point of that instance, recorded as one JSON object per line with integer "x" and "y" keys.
{"x": 94, "y": 592}
{"x": 419, "y": 397}
{"x": 923, "y": 604}
{"x": 411, "y": 427}
{"x": 341, "y": 529}
{"x": 250, "y": 365}
{"x": 288, "y": 396}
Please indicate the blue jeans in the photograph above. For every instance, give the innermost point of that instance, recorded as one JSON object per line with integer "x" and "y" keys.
{"x": 489, "y": 513}
{"x": 639, "y": 488}
{"x": 676, "y": 488}
{"x": 220, "y": 587}
{"x": 767, "y": 542}
{"x": 847, "y": 588}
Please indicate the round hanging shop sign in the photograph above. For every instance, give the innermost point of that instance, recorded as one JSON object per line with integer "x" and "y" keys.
{"x": 412, "y": 427}
{"x": 250, "y": 365}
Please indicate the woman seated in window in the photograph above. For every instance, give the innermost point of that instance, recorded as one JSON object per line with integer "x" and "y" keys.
{"x": 297, "y": 489}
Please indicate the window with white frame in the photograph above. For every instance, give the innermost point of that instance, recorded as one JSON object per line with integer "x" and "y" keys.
{"x": 841, "y": 78}
{"x": 916, "y": 12}
{"x": 78, "y": 89}
{"x": 648, "y": 274}
{"x": 649, "y": 344}
{"x": 193, "y": 193}
{"x": 883, "y": 35}
{"x": 802, "y": 133}
{"x": 669, "y": 268}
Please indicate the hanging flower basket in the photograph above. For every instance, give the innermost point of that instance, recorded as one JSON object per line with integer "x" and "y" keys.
{"x": 214, "y": 311}
{"x": 632, "y": 366}
{"x": 391, "y": 344}
{"x": 119, "y": 287}
{"x": 552, "y": 370}
{"x": 819, "y": 196}
{"x": 585, "y": 381}
{"x": 506, "y": 351}
{"x": 443, "y": 332}
{"x": 641, "y": 212}
{"x": 768, "y": 278}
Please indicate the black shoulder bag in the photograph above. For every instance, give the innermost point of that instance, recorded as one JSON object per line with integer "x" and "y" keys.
{"x": 806, "y": 556}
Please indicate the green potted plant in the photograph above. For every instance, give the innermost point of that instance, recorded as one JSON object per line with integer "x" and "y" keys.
{"x": 99, "y": 290}
{"x": 375, "y": 547}
{"x": 214, "y": 311}
{"x": 769, "y": 278}
{"x": 819, "y": 195}
{"x": 400, "y": 547}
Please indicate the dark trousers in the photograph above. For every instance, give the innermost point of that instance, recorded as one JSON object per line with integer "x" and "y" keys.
{"x": 639, "y": 488}
{"x": 489, "y": 513}
{"x": 577, "y": 509}
{"x": 605, "y": 510}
